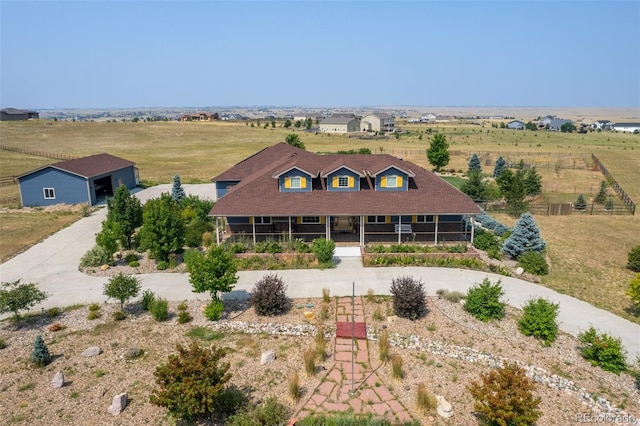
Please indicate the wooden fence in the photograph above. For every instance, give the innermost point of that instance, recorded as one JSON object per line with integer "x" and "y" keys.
{"x": 561, "y": 209}
{"x": 626, "y": 199}
{"x": 36, "y": 153}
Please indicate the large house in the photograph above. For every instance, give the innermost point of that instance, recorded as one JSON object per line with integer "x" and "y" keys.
{"x": 13, "y": 114}
{"x": 378, "y": 121}
{"x": 340, "y": 125}
{"x": 626, "y": 127}
{"x": 82, "y": 180}
{"x": 556, "y": 124}
{"x": 286, "y": 192}
{"x": 516, "y": 125}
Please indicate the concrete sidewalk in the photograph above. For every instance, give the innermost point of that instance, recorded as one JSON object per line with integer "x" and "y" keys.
{"x": 53, "y": 265}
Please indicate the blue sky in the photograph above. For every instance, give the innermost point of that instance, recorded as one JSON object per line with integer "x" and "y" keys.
{"x": 319, "y": 54}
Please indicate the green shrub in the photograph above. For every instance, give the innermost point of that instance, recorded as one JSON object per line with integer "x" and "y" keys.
{"x": 408, "y": 298}
{"x": 633, "y": 291}
{"x": 3, "y": 344}
{"x": 148, "y": 297}
{"x": 505, "y": 397}
{"x": 539, "y": 320}
{"x": 214, "y": 310}
{"x": 134, "y": 264}
{"x": 495, "y": 253}
{"x": 269, "y": 296}
{"x": 184, "y": 317}
{"x": 295, "y": 391}
{"x": 231, "y": 401}
{"x": 348, "y": 419}
{"x": 181, "y": 389}
{"x": 40, "y": 355}
{"x": 162, "y": 265}
{"x": 323, "y": 249}
{"x": 94, "y": 307}
{"x": 485, "y": 240}
{"x": 96, "y": 256}
{"x": 603, "y": 350}
{"x": 53, "y": 312}
{"x": 483, "y": 301}
{"x": 195, "y": 230}
{"x": 633, "y": 258}
{"x": 119, "y": 316}
{"x": 533, "y": 262}
{"x": 93, "y": 315}
{"x": 270, "y": 412}
{"x": 159, "y": 309}
{"x": 130, "y": 257}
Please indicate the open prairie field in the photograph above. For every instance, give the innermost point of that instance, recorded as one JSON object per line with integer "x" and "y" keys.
{"x": 588, "y": 253}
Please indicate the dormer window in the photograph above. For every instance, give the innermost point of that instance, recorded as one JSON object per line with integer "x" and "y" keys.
{"x": 343, "y": 181}
{"x": 296, "y": 182}
{"x": 392, "y": 181}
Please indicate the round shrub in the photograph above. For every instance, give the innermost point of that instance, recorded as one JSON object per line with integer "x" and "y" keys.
{"x": 408, "y": 298}
{"x": 269, "y": 296}
{"x": 485, "y": 240}
{"x": 323, "y": 249}
{"x": 634, "y": 259}
{"x": 134, "y": 264}
{"x": 483, "y": 301}
{"x": 159, "y": 309}
{"x": 603, "y": 350}
{"x": 119, "y": 315}
{"x": 97, "y": 256}
{"x": 131, "y": 257}
{"x": 162, "y": 265}
{"x": 534, "y": 263}
{"x": 539, "y": 320}
{"x": 214, "y": 310}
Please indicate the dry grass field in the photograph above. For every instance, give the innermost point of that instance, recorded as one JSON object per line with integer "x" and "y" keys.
{"x": 588, "y": 253}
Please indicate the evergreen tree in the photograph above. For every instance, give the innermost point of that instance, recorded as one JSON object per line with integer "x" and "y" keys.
{"x": 474, "y": 164}
{"x": 524, "y": 237}
{"x": 294, "y": 140}
{"x": 40, "y": 355}
{"x": 580, "y": 203}
{"x": 287, "y": 124}
{"x": 177, "y": 193}
{"x": 609, "y": 203}
{"x": 601, "y": 197}
{"x": 124, "y": 215}
{"x": 438, "y": 151}
{"x": 162, "y": 230}
{"x": 513, "y": 190}
{"x": 474, "y": 187}
{"x": 533, "y": 182}
{"x": 500, "y": 167}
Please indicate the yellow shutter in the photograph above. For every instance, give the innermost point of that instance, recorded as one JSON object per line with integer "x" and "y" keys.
{"x": 287, "y": 182}
{"x": 335, "y": 182}
{"x": 322, "y": 220}
{"x": 383, "y": 181}
{"x": 303, "y": 182}
{"x": 251, "y": 219}
{"x": 298, "y": 220}
{"x": 351, "y": 182}
{"x": 387, "y": 219}
{"x": 399, "y": 180}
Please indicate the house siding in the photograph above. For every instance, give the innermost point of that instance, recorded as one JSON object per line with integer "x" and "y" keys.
{"x": 223, "y": 186}
{"x": 382, "y": 178}
{"x": 69, "y": 188}
{"x": 285, "y": 178}
{"x": 354, "y": 180}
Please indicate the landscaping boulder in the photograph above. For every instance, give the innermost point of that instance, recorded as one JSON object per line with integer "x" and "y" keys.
{"x": 58, "y": 380}
{"x": 118, "y": 404}
{"x": 519, "y": 270}
{"x": 444, "y": 408}
{"x": 91, "y": 352}
{"x": 267, "y": 356}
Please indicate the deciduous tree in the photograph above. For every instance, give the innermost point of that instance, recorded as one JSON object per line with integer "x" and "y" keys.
{"x": 124, "y": 216}
{"x": 214, "y": 271}
{"x": 122, "y": 287}
{"x": 162, "y": 231}
{"x": 16, "y": 297}
{"x": 438, "y": 151}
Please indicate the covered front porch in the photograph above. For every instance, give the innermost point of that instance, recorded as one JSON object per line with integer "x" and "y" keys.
{"x": 361, "y": 230}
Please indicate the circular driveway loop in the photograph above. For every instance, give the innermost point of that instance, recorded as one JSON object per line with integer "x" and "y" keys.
{"x": 53, "y": 265}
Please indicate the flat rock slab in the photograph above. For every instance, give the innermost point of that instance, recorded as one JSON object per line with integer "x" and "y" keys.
{"x": 349, "y": 330}
{"x": 267, "y": 356}
{"x": 118, "y": 404}
{"x": 58, "y": 380}
{"x": 91, "y": 352}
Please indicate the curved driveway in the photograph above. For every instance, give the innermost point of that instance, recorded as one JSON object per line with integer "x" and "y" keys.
{"x": 53, "y": 265}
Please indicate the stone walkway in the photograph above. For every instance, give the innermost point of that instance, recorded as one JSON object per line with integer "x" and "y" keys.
{"x": 370, "y": 394}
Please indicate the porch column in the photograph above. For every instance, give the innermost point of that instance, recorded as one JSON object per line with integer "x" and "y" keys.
{"x": 436, "y": 224}
{"x": 217, "y": 231}
{"x": 327, "y": 227}
{"x": 399, "y": 229}
{"x": 362, "y": 231}
{"x": 290, "y": 231}
{"x": 253, "y": 227}
{"x": 473, "y": 227}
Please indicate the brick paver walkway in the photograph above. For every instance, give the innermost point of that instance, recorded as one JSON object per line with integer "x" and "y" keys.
{"x": 371, "y": 395}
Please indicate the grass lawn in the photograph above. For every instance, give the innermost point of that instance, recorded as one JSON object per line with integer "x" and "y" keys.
{"x": 454, "y": 180}
{"x": 588, "y": 253}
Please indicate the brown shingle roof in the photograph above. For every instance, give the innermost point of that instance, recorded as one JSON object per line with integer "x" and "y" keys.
{"x": 258, "y": 193}
{"x": 88, "y": 167}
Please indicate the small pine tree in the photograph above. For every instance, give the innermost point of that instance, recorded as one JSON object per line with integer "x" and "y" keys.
{"x": 608, "y": 205}
{"x": 500, "y": 167}
{"x": 40, "y": 355}
{"x": 580, "y": 203}
{"x": 601, "y": 197}
{"x": 524, "y": 237}
{"x": 474, "y": 164}
{"x": 177, "y": 193}
{"x": 474, "y": 187}
{"x": 533, "y": 182}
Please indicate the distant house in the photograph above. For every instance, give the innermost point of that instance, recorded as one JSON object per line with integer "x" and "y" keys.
{"x": 601, "y": 124}
{"x": 82, "y": 180}
{"x": 340, "y": 125}
{"x": 378, "y": 121}
{"x": 626, "y": 127}
{"x": 546, "y": 120}
{"x": 516, "y": 125}
{"x": 200, "y": 116}
{"x": 428, "y": 118}
{"x": 443, "y": 118}
{"x": 557, "y": 123}
{"x": 13, "y": 114}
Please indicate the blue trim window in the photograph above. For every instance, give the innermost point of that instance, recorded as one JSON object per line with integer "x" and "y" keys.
{"x": 310, "y": 219}
{"x": 49, "y": 193}
{"x": 422, "y": 218}
{"x": 295, "y": 182}
{"x": 376, "y": 219}
{"x": 392, "y": 181}
{"x": 262, "y": 220}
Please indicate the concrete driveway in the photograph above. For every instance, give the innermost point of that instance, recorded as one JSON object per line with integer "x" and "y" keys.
{"x": 53, "y": 265}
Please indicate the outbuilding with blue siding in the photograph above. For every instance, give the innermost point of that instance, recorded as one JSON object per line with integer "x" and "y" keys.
{"x": 83, "y": 180}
